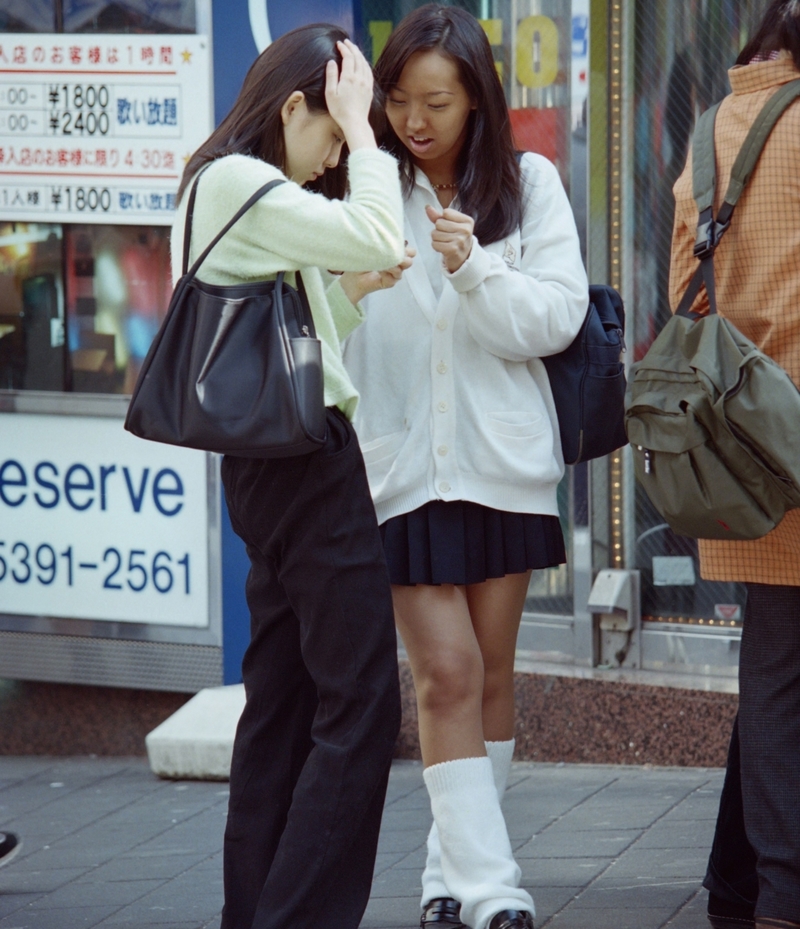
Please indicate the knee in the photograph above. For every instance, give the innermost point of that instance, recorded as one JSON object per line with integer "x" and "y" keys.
{"x": 449, "y": 681}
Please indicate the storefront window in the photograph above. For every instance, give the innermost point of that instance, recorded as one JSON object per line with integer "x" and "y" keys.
{"x": 109, "y": 16}
{"x": 26, "y": 16}
{"x": 80, "y": 304}
{"x": 114, "y": 283}
{"x": 150, "y": 16}
{"x": 117, "y": 291}
{"x": 683, "y": 50}
{"x": 32, "y": 337}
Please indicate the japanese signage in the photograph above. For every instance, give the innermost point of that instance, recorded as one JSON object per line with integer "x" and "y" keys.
{"x": 97, "y": 524}
{"x": 98, "y": 128}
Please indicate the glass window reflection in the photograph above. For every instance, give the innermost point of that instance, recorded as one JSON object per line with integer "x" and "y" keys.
{"x": 32, "y": 352}
{"x": 27, "y": 16}
{"x": 682, "y": 55}
{"x": 136, "y": 16}
{"x": 118, "y": 286}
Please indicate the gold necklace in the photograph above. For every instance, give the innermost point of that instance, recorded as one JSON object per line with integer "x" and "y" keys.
{"x": 445, "y": 186}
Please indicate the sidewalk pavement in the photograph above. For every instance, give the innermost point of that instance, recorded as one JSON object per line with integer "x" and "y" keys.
{"x": 107, "y": 844}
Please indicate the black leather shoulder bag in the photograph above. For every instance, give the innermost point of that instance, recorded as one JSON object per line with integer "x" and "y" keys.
{"x": 235, "y": 369}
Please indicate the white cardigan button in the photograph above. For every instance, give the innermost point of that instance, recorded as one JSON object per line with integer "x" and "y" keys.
{"x": 443, "y": 406}
{"x": 442, "y": 325}
{"x": 441, "y": 368}
{"x": 442, "y": 450}
{"x": 444, "y": 487}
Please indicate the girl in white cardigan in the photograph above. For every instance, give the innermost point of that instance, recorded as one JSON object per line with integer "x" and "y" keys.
{"x": 315, "y": 740}
{"x": 459, "y": 433}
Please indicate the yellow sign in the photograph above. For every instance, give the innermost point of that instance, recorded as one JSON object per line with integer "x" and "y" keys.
{"x": 537, "y": 46}
{"x": 379, "y": 32}
{"x": 537, "y": 51}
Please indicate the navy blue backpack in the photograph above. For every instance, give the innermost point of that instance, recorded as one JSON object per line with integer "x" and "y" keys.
{"x": 588, "y": 381}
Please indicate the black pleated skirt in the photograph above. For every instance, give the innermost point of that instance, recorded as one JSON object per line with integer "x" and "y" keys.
{"x": 465, "y": 543}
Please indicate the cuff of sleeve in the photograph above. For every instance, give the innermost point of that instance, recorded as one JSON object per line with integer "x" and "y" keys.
{"x": 473, "y": 272}
{"x": 373, "y": 155}
{"x": 346, "y": 317}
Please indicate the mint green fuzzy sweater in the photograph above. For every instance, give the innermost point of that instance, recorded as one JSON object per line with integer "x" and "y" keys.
{"x": 292, "y": 229}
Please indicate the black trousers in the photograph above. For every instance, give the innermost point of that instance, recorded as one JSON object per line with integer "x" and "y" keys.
{"x": 755, "y": 858}
{"x": 314, "y": 744}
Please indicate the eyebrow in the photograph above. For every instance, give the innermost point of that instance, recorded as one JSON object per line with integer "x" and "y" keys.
{"x": 433, "y": 93}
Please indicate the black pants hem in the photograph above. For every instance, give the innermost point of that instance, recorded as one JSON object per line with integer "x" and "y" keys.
{"x": 755, "y": 858}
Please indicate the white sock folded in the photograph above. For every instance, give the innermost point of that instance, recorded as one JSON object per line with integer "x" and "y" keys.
{"x": 478, "y": 866}
{"x": 433, "y": 886}
{"x": 500, "y": 755}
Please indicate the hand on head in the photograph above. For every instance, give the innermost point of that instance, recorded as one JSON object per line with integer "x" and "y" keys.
{"x": 348, "y": 95}
{"x": 451, "y": 236}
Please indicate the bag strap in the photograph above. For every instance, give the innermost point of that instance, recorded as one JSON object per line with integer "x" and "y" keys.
{"x": 760, "y": 131}
{"x": 187, "y": 226}
{"x": 704, "y": 162}
{"x": 710, "y": 230}
{"x": 187, "y": 231}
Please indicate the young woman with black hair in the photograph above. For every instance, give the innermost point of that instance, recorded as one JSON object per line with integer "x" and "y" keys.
{"x": 459, "y": 433}
{"x": 314, "y": 744}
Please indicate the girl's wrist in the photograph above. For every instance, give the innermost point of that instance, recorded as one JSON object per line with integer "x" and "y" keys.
{"x": 350, "y": 284}
{"x": 359, "y": 135}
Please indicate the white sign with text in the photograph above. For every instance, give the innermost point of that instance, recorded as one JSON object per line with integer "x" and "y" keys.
{"x": 97, "y": 524}
{"x": 98, "y": 128}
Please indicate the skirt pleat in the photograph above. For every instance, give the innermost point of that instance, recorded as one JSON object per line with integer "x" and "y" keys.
{"x": 465, "y": 543}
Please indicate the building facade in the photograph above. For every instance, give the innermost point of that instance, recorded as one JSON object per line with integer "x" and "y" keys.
{"x": 117, "y": 562}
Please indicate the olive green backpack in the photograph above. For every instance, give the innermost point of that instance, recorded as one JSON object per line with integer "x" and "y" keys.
{"x": 713, "y": 421}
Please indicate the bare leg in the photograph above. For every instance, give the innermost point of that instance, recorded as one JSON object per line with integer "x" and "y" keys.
{"x": 446, "y": 662}
{"x": 450, "y": 634}
{"x": 495, "y": 608}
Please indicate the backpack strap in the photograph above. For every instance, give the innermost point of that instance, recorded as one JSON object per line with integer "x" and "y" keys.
{"x": 704, "y": 162}
{"x": 760, "y": 131}
{"x": 710, "y": 230}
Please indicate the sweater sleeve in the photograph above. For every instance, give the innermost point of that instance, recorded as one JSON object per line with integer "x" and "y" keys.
{"x": 537, "y": 310}
{"x": 292, "y": 228}
{"x": 346, "y": 316}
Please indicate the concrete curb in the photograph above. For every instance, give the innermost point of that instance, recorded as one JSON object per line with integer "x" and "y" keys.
{"x": 196, "y": 742}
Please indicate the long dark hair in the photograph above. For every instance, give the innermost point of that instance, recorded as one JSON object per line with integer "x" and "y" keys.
{"x": 295, "y": 61}
{"x": 487, "y": 172}
{"x": 779, "y": 30}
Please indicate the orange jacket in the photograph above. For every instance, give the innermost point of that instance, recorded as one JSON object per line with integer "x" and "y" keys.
{"x": 758, "y": 280}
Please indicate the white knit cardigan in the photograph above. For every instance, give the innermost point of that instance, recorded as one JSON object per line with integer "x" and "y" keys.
{"x": 456, "y": 403}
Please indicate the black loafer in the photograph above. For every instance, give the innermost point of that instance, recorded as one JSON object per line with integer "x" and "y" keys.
{"x": 10, "y": 846}
{"x": 443, "y": 911}
{"x": 512, "y": 919}
{"x": 724, "y": 915}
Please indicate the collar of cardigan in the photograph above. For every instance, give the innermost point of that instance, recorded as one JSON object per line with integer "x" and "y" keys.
{"x": 761, "y": 75}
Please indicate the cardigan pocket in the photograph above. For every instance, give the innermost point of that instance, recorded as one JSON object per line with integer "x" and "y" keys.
{"x": 380, "y": 454}
{"x": 513, "y": 447}
{"x": 519, "y": 425}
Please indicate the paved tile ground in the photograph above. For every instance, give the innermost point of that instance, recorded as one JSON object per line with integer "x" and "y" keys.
{"x": 109, "y": 845}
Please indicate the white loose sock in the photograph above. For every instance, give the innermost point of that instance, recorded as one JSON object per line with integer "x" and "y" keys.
{"x": 477, "y": 863}
{"x": 433, "y": 886}
{"x": 500, "y": 754}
